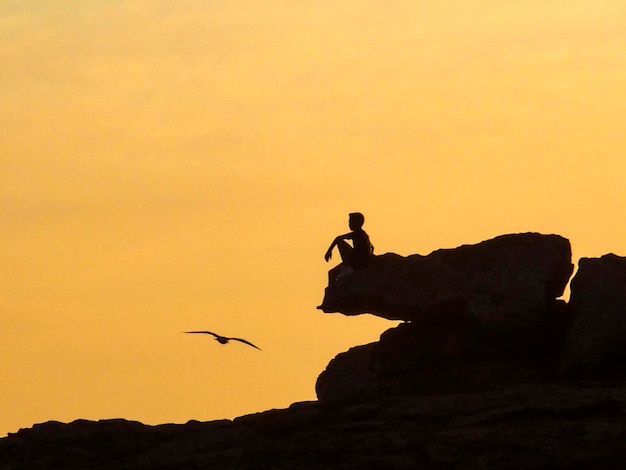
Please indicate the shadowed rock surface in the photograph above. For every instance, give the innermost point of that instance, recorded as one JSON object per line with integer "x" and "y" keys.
{"x": 445, "y": 353}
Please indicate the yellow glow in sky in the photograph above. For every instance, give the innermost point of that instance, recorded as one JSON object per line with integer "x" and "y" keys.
{"x": 168, "y": 166}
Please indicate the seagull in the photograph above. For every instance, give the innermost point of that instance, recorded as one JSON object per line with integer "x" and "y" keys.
{"x": 224, "y": 339}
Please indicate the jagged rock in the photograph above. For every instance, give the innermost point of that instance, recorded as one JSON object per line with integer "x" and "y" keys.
{"x": 505, "y": 285}
{"x": 595, "y": 344}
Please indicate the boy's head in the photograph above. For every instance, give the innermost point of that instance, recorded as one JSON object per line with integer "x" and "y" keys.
{"x": 356, "y": 220}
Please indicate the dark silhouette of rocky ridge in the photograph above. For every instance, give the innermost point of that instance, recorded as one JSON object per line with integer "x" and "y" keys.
{"x": 489, "y": 370}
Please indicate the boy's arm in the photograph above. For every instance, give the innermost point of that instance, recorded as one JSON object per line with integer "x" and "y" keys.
{"x": 329, "y": 252}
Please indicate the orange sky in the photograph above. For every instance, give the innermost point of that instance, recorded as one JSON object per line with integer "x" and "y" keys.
{"x": 175, "y": 165}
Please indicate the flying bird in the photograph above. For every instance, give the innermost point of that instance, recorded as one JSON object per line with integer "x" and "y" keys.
{"x": 224, "y": 339}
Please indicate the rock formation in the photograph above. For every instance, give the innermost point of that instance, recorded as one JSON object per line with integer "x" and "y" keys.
{"x": 444, "y": 356}
{"x": 489, "y": 370}
{"x": 480, "y": 317}
{"x": 504, "y": 284}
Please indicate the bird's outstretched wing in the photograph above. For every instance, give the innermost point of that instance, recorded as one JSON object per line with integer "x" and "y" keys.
{"x": 225, "y": 339}
{"x": 246, "y": 342}
{"x": 203, "y": 332}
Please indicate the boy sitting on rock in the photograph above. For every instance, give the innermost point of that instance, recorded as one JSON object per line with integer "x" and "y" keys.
{"x": 353, "y": 257}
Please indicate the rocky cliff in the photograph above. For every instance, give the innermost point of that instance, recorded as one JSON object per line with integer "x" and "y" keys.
{"x": 476, "y": 317}
{"x": 490, "y": 369}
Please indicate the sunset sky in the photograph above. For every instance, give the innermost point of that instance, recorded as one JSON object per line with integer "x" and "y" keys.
{"x": 173, "y": 165}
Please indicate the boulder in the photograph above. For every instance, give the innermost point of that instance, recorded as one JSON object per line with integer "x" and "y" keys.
{"x": 595, "y": 343}
{"x": 503, "y": 285}
{"x": 348, "y": 378}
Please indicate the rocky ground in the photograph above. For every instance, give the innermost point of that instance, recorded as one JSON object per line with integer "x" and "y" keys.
{"x": 556, "y": 426}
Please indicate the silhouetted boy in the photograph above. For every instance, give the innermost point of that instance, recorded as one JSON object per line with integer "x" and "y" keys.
{"x": 356, "y": 256}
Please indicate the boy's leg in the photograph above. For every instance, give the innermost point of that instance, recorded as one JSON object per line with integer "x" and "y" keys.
{"x": 332, "y": 274}
{"x": 345, "y": 250}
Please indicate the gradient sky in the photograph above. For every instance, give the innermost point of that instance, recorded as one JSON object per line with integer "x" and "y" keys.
{"x": 173, "y": 165}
